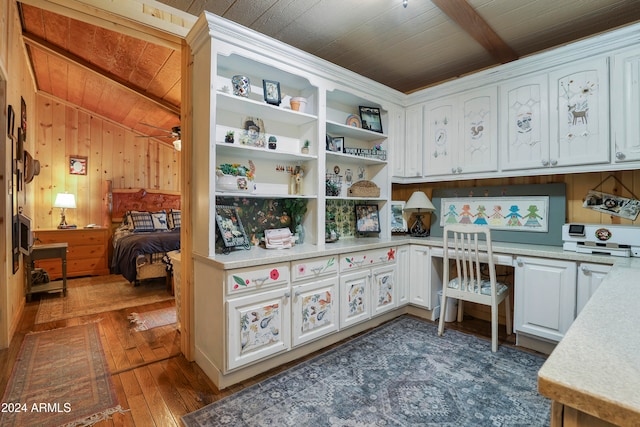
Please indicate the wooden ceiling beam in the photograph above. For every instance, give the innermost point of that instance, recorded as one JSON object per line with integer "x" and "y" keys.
{"x": 461, "y": 12}
{"x": 39, "y": 43}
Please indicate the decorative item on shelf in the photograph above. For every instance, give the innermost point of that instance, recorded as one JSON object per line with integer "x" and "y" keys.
{"x": 419, "y": 203}
{"x": 331, "y": 228}
{"x": 64, "y": 201}
{"x": 333, "y": 184}
{"x": 364, "y": 188}
{"x": 298, "y": 103}
{"x": 271, "y": 91}
{"x": 305, "y": 147}
{"x": 241, "y": 85}
{"x": 370, "y": 117}
{"x": 235, "y": 177}
{"x": 297, "y": 174}
{"x": 296, "y": 208}
{"x": 374, "y": 153}
{"x": 337, "y": 144}
{"x": 229, "y": 137}
{"x": 398, "y": 223}
{"x": 278, "y": 238}
{"x": 253, "y": 133}
{"x": 230, "y": 228}
{"x": 272, "y": 142}
{"x": 367, "y": 219}
{"x": 353, "y": 121}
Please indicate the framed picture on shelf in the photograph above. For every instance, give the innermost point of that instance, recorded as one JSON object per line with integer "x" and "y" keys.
{"x": 77, "y": 165}
{"x": 338, "y": 144}
{"x": 230, "y": 227}
{"x": 367, "y": 219}
{"x": 398, "y": 223}
{"x": 271, "y": 92}
{"x": 370, "y": 117}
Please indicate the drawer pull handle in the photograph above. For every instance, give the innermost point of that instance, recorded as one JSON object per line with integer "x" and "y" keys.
{"x": 317, "y": 270}
{"x": 260, "y": 282}
{"x": 585, "y": 269}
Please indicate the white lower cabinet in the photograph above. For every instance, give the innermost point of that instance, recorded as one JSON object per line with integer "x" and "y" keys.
{"x": 545, "y": 297}
{"x": 589, "y": 278}
{"x": 420, "y": 276}
{"x": 403, "y": 292}
{"x": 259, "y": 325}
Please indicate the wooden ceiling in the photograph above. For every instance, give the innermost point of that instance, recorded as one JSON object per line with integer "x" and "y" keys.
{"x": 84, "y": 51}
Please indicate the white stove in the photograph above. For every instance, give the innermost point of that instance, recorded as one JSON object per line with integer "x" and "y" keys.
{"x": 616, "y": 240}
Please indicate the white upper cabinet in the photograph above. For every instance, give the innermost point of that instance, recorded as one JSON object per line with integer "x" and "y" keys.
{"x": 461, "y": 133}
{"x": 524, "y": 133}
{"x": 579, "y": 99}
{"x": 625, "y": 105}
{"x": 414, "y": 141}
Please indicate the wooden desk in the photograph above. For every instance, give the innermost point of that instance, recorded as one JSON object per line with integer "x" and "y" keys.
{"x": 46, "y": 251}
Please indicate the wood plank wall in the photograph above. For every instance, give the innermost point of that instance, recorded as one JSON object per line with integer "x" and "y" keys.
{"x": 116, "y": 157}
{"x": 577, "y": 187}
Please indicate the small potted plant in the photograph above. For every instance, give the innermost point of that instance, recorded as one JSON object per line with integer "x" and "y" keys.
{"x": 305, "y": 147}
{"x": 272, "y": 142}
{"x": 229, "y": 137}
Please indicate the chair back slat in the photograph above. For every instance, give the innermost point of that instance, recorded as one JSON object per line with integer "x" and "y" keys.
{"x": 463, "y": 240}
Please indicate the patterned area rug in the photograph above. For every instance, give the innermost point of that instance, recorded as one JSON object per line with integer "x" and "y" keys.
{"x": 61, "y": 377}
{"x": 97, "y": 295}
{"x": 400, "y": 374}
{"x": 153, "y": 319}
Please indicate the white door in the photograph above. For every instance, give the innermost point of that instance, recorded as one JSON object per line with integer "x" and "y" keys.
{"x": 524, "y": 129}
{"x": 259, "y": 325}
{"x": 579, "y": 96}
{"x": 441, "y": 134}
{"x": 403, "y": 292}
{"x": 545, "y": 297}
{"x": 589, "y": 278}
{"x": 355, "y": 299}
{"x": 420, "y": 277}
{"x": 315, "y": 310}
{"x": 413, "y": 141}
{"x": 383, "y": 289}
{"x": 478, "y": 131}
{"x": 625, "y": 110}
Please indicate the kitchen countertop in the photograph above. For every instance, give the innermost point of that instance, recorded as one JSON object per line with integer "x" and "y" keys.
{"x": 596, "y": 366}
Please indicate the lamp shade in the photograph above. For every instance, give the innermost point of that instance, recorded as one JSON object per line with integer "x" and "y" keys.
{"x": 419, "y": 202}
{"x": 65, "y": 200}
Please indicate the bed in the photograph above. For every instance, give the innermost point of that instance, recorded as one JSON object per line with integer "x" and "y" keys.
{"x": 146, "y": 226}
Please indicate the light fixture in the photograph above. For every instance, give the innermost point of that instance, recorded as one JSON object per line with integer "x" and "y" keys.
{"x": 177, "y": 144}
{"x": 418, "y": 203}
{"x": 64, "y": 201}
{"x": 405, "y": 3}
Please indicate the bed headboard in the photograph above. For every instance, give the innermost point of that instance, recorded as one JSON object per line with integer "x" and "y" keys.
{"x": 139, "y": 199}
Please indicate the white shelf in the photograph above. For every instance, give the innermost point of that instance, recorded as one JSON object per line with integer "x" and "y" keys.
{"x": 380, "y": 199}
{"x": 342, "y": 157}
{"x": 263, "y": 195}
{"x": 250, "y": 107}
{"x": 353, "y": 132}
{"x": 236, "y": 149}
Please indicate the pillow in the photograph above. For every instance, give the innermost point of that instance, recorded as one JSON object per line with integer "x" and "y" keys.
{"x": 159, "y": 220}
{"x": 141, "y": 221}
{"x": 174, "y": 218}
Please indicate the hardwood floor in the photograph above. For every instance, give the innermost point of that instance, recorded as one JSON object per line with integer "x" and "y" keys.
{"x": 152, "y": 379}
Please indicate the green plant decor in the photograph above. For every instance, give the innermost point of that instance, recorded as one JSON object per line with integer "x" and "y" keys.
{"x": 296, "y": 208}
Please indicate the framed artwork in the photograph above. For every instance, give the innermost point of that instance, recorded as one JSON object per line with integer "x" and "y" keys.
{"x": 11, "y": 120}
{"x": 271, "y": 91}
{"x": 231, "y": 230}
{"x": 398, "y": 222}
{"x": 337, "y": 144}
{"x": 370, "y": 117}
{"x": 367, "y": 219}
{"x": 77, "y": 165}
{"x": 610, "y": 204}
{"x": 253, "y": 133}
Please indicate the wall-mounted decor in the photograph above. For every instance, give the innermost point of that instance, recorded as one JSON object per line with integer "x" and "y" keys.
{"x": 23, "y": 117}
{"x": 627, "y": 208}
{"x": 77, "y": 165}
{"x": 398, "y": 223}
{"x": 271, "y": 92}
{"x": 501, "y": 213}
{"x": 11, "y": 120}
{"x": 370, "y": 117}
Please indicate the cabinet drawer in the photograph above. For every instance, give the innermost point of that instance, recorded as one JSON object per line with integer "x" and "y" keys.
{"x": 88, "y": 251}
{"x": 75, "y": 267}
{"x": 247, "y": 279}
{"x": 311, "y": 268}
{"x": 367, "y": 258}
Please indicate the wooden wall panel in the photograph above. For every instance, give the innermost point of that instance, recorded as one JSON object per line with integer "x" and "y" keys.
{"x": 114, "y": 155}
{"x": 577, "y": 187}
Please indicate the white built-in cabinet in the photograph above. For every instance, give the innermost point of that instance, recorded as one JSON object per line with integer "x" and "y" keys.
{"x": 461, "y": 133}
{"x": 420, "y": 276}
{"x": 545, "y": 297}
{"x": 411, "y": 153}
{"x": 589, "y": 278}
{"x": 579, "y": 125}
{"x": 625, "y": 105}
{"x": 403, "y": 256}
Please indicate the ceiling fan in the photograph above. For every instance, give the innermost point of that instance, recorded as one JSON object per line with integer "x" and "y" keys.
{"x": 173, "y": 133}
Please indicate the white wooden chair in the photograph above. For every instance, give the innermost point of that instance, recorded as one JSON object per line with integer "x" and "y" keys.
{"x": 469, "y": 285}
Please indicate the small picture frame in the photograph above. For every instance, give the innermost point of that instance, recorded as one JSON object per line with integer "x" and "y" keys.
{"x": 77, "y": 165}
{"x": 271, "y": 91}
{"x": 398, "y": 222}
{"x": 367, "y": 219}
{"x": 11, "y": 120}
{"x": 231, "y": 231}
{"x": 338, "y": 144}
{"x": 370, "y": 118}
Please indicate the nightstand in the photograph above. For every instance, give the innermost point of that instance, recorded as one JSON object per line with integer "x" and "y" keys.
{"x": 46, "y": 251}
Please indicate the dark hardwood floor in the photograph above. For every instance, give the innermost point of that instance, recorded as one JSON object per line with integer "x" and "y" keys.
{"x": 152, "y": 378}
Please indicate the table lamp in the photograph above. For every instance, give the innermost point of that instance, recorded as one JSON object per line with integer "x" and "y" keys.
{"x": 418, "y": 203}
{"x": 64, "y": 201}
